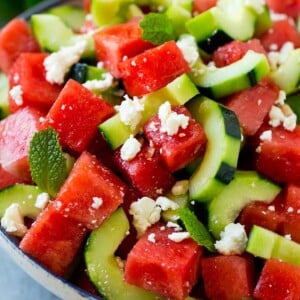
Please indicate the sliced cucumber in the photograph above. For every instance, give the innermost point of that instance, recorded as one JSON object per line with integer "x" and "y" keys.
{"x": 102, "y": 266}
{"x": 24, "y": 195}
{"x": 287, "y": 76}
{"x": 4, "y": 89}
{"x": 82, "y": 72}
{"x": 179, "y": 91}
{"x": 223, "y": 134}
{"x": 246, "y": 187}
{"x": 221, "y": 82}
{"x": 267, "y": 244}
{"x": 73, "y": 16}
{"x": 294, "y": 102}
{"x": 52, "y": 34}
{"x": 263, "y": 21}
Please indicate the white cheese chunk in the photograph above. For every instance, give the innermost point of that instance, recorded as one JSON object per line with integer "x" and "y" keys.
{"x": 97, "y": 202}
{"x": 42, "y": 200}
{"x": 188, "y": 47}
{"x": 165, "y": 203}
{"x": 16, "y": 93}
{"x": 130, "y": 148}
{"x": 178, "y": 236}
{"x": 99, "y": 85}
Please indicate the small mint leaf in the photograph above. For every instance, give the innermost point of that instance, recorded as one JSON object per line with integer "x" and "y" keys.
{"x": 157, "y": 28}
{"x": 47, "y": 161}
{"x": 197, "y": 230}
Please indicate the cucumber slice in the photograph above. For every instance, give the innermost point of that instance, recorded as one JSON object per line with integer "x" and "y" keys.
{"x": 263, "y": 21}
{"x": 267, "y": 244}
{"x": 221, "y": 82}
{"x": 4, "y": 89}
{"x": 179, "y": 91}
{"x": 294, "y": 102}
{"x": 52, "y": 34}
{"x": 82, "y": 72}
{"x": 223, "y": 134}
{"x": 287, "y": 76}
{"x": 22, "y": 194}
{"x": 102, "y": 266}
{"x": 246, "y": 187}
{"x": 73, "y": 16}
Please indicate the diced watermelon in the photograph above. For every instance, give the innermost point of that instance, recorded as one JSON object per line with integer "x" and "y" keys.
{"x": 146, "y": 172}
{"x": 252, "y": 105}
{"x": 228, "y": 277}
{"x": 152, "y": 69}
{"x": 15, "y": 38}
{"x": 279, "y": 280}
{"x": 76, "y": 114}
{"x": 292, "y": 198}
{"x": 90, "y": 193}
{"x": 279, "y": 158}
{"x": 7, "y": 179}
{"x": 165, "y": 267}
{"x": 200, "y": 6}
{"x": 234, "y": 51}
{"x": 282, "y": 31}
{"x": 53, "y": 240}
{"x": 29, "y": 74}
{"x": 16, "y": 132}
{"x": 288, "y": 7}
{"x": 291, "y": 226}
{"x": 181, "y": 148}
{"x": 119, "y": 42}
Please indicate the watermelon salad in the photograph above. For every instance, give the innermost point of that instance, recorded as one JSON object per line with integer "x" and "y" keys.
{"x": 150, "y": 149}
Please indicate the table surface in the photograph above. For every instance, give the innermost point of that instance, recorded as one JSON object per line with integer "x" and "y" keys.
{"x": 15, "y": 284}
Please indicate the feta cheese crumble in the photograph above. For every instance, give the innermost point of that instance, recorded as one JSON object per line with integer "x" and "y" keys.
{"x": 58, "y": 63}
{"x": 100, "y": 85}
{"x": 42, "y": 200}
{"x": 151, "y": 238}
{"x": 233, "y": 240}
{"x": 180, "y": 188}
{"x": 16, "y": 93}
{"x": 130, "y": 111}
{"x": 178, "y": 237}
{"x": 170, "y": 120}
{"x": 13, "y": 221}
{"x": 277, "y": 58}
{"x": 130, "y": 148}
{"x": 97, "y": 202}
{"x": 165, "y": 203}
{"x": 266, "y": 135}
{"x": 188, "y": 47}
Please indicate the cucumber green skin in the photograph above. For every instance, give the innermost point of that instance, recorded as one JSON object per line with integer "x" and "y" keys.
{"x": 242, "y": 74}
{"x": 267, "y": 244}
{"x": 4, "y": 88}
{"x": 263, "y": 21}
{"x": 222, "y": 148}
{"x": 246, "y": 187}
{"x": 22, "y": 194}
{"x": 294, "y": 102}
{"x": 102, "y": 267}
{"x": 179, "y": 91}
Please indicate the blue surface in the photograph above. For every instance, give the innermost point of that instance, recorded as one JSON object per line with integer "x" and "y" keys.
{"x": 15, "y": 284}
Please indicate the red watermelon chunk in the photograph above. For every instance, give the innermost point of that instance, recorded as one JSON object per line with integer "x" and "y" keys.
{"x": 165, "y": 267}
{"x": 292, "y": 198}
{"x": 119, "y": 42}
{"x": 279, "y": 280}
{"x": 53, "y": 240}
{"x": 152, "y": 69}
{"x": 16, "y": 132}
{"x": 228, "y": 277}
{"x": 252, "y": 105}
{"x": 7, "y": 179}
{"x": 146, "y": 172}
{"x": 15, "y": 38}
{"x": 28, "y": 74}
{"x": 288, "y": 7}
{"x": 279, "y": 158}
{"x": 90, "y": 193}
{"x": 76, "y": 114}
{"x": 200, "y": 6}
{"x": 181, "y": 148}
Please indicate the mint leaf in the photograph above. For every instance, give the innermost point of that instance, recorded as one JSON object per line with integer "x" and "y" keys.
{"x": 197, "y": 230}
{"x": 157, "y": 28}
{"x": 47, "y": 161}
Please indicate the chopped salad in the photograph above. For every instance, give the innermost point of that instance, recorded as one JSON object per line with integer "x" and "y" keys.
{"x": 150, "y": 149}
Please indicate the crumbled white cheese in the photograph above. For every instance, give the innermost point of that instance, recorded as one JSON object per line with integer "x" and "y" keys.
{"x": 13, "y": 221}
{"x": 16, "y": 93}
{"x": 99, "y": 85}
{"x": 97, "y": 202}
{"x": 277, "y": 16}
{"x": 145, "y": 213}
{"x": 178, "y": 237}
{"x": 188, "y": 47}
{"x": 151, "y": 238}
{"x": 288, "y": 237}
{"x": 266, "y": 135}
{"x": 277, "y": 58}
{"x": 233, "y": 240}
{"x": 180, "y": 188}
{"x": 42, "y": 200}
{"x": 130, "y": 111}
{"x": 130, "y": 148}
{"x": 271, "y": 208}
{"x": 58, "y": 64}
{"x": 281, "y": 98}
{"x": 256, "y": 5}
{"x": 174, "y": 225}
{"x": 278, "y": 116}
{"x": 170, "y": 120}
{"x": 165, "y": 203}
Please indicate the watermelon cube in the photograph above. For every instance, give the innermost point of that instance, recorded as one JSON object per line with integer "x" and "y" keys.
{"x": 163, "y": 266}
{"x": 76, "y": 114}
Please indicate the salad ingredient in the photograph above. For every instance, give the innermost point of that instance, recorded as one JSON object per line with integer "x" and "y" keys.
{"x": 103, "y": 267}
{"x": 227, "y": 205}
{"x": 4, "y": 88}
{"x": 218, "y": 166}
